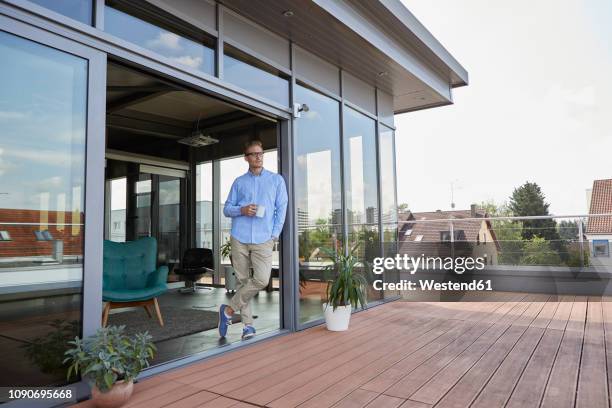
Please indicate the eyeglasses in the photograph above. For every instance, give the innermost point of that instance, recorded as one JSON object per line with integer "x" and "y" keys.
{"x": 255, "y": 154}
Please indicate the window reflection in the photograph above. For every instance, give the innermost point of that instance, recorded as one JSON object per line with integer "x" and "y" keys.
{"x": 361, "y": 192}
{"x": 317, "y": 195}
{"x": 178, "y": 48}
{"x": 80, "y": 10}
{"x": 204, "y": 202}
{"x": 255, "y": 79}
{"x": 43, "y": 104}
{"x": 388, "y": 201}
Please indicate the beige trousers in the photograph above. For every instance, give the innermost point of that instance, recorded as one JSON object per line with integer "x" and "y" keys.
{"x": 245, "y": 256}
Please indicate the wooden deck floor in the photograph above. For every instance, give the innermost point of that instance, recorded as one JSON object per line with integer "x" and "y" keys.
{"x": 524, "y": 351}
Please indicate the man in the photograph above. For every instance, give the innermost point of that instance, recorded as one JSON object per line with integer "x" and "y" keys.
{"x": 257, "y": 204}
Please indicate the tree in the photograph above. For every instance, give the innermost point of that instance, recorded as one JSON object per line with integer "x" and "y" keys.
{"x": 568, "y": 230}
{"x": 528, "y": 200}
{"x": 538, "y": 251}
{"x": 403, "y": 207}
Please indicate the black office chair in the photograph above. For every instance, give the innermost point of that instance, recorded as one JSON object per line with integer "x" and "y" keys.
{"x": 196, "y": 263}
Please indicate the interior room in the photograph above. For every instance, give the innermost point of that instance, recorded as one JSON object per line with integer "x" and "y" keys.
{"x": 171, "y": 156}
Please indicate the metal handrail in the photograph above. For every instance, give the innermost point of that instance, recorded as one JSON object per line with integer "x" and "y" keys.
{"x": 509, "y": 218}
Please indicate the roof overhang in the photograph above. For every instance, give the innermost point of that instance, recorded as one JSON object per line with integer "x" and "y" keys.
{"x": 367, "y": 38}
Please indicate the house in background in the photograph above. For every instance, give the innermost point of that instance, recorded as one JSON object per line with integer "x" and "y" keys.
{"x": 599, "y": 229}
{"x": 470, "y": 236}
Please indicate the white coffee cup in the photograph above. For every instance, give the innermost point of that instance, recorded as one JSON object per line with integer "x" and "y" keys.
{"x": 261, "y": 210}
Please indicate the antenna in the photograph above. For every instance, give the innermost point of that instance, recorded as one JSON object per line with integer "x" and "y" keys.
{"x": 452, "y": 188}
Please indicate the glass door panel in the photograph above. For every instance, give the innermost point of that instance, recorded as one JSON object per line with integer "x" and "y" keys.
{"x": 168, "y": 248}
{"x": 43, "y": 105}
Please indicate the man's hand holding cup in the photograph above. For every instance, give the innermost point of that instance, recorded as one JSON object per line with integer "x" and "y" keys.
{"x": 249, "y": 210}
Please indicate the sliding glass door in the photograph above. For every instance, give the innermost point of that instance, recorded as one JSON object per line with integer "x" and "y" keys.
{"x": 45, "y": 106}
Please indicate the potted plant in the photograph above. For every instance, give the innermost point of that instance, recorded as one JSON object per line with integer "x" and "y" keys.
{"x": 110, "y": 360}
{"x": 344, "y": 292}
{"x": 230, "y": 274}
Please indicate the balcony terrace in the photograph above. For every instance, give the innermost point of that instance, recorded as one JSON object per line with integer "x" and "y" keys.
{"x": 489, "y": 350}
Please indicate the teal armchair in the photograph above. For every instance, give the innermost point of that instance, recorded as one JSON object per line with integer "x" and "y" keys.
{"x": 131, "y": 276}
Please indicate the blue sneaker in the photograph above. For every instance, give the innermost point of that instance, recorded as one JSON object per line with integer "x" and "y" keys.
{"x": 224, "y": 321}
{"x": 248, "y": 332}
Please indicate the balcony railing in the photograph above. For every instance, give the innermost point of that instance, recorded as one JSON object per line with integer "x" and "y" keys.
{"x": 574, "y": 241}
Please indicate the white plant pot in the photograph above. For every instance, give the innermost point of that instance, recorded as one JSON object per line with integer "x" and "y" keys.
{"x": 337, "y": 320}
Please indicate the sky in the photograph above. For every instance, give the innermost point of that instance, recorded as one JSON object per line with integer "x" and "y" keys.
{"x": 537, "y": 107}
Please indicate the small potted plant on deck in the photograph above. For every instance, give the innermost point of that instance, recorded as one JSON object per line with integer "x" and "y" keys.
{"x": 111, "y": 360}
{"x": 344, "y": 292}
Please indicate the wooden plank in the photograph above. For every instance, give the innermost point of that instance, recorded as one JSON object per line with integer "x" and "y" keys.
{"x": 562, "y": 314}
{"x": 561, "y": 388}
{"x": 153, "y": 392}
{"x": 408, "y": 355}
{"x": 356, "y": 399}
{"x": 243, "y": 384}
{"x": 607, "y": 320}
{"x": 414, "y": 404}
{"x": 220, "y": 402}
{"x": 163, "y": 400}
{"x": 413, "y": 380}
{"x": 275, "y": 345}
{"x": 194, "y": 400}
{"x": 592, "y": 381}
{"x": 349, "y": 377}
{"x": 233, "y": 375}
{"x": 437, "y": 386}
{"x": 498, "y": 389}
{"x": 385, "y": 401}
{"x": 530, "y": 388}
{"x": 467, "y": 388}
{"x": 546, "y": 314}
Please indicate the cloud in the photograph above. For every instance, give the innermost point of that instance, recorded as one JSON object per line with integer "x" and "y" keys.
{"x": 4, "y": 165}
{"x": 167, "y": 41}
{"x": 193, "y": 62}
{"x": 50, "y": 183}
{"x": 11, "y": 115}
{"x": 49, "y": 157}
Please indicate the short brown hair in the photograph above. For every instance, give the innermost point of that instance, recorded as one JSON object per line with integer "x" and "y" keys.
{"x": 254, "y": 142}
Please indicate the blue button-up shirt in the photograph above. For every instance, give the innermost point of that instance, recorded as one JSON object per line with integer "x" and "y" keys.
{"x": 268, "y": 190}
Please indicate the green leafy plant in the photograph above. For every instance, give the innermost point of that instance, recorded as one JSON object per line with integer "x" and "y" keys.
{"x": 226, "y": 250}
{"x": 347, "y": 287}
{"x": 110, "y": 356}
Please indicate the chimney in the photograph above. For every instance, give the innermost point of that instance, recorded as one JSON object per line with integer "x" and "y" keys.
{"x": 473, "y": 211}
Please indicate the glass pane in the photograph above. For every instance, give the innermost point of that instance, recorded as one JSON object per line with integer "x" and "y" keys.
{"x": 143, "y": 206}
{"x": 361, "y": 191}
{"x": 256, "y": 80}
{"x": 118, "y": 192}
{"x": 169, "y": 220}
{"x": 177, "y": 48}
{"x": 80, "y": 10}
{"x": 43, "y": 103}
{"x": 387, "y": 175}
{"x": 386, "y": 145}
{"x": 204, "y": 202}
{"x": 317, "y": 195}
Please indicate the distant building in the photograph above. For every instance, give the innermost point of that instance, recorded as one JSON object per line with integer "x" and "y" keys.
{"x": 599, "y": 229}
{"x": 471, "y": 237}
{"x": 30, "y": 236}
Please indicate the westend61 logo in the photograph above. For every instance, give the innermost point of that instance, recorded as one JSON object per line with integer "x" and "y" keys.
{"x": 413, "y": 264}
